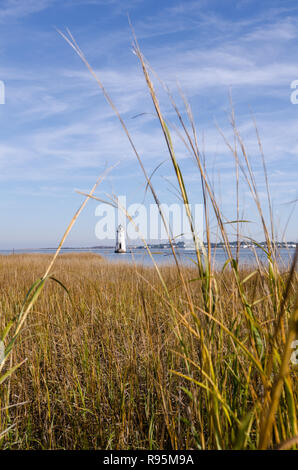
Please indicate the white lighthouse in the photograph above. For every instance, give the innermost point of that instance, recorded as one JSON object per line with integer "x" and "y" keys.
{"x": 120, "y": 240}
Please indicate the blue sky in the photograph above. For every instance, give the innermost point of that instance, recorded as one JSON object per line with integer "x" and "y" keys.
{"x": 58, "y": 133}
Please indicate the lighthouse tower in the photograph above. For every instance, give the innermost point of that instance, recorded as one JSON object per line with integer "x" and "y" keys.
{"x": 120, "y": 240}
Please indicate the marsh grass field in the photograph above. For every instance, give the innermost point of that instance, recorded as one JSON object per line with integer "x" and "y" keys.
{"x": 108, "y": 367}
{"x": 100, "y": 355}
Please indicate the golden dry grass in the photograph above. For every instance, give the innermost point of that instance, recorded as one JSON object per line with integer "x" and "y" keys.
{"x": 99, "y": 360}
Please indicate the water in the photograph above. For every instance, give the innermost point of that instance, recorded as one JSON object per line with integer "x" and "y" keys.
{"x": 164, "y": 256}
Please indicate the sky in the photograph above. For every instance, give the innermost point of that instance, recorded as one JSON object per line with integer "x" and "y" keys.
{"x": 58, "y": 134}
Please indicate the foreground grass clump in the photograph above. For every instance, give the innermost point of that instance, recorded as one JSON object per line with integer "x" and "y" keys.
{"x": 108, "y": 365}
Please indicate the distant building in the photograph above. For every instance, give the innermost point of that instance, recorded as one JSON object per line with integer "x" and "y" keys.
{"x": 120, "y": 240}
{"x": 180, "y": 244}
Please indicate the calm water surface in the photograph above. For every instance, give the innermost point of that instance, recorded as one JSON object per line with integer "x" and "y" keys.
{"x": 162, "y": 257}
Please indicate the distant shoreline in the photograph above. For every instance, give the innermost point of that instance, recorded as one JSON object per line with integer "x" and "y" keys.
{"x": 165, "y": 247}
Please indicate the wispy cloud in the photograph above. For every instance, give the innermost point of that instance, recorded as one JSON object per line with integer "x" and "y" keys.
{"x": 16, "y": 9}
